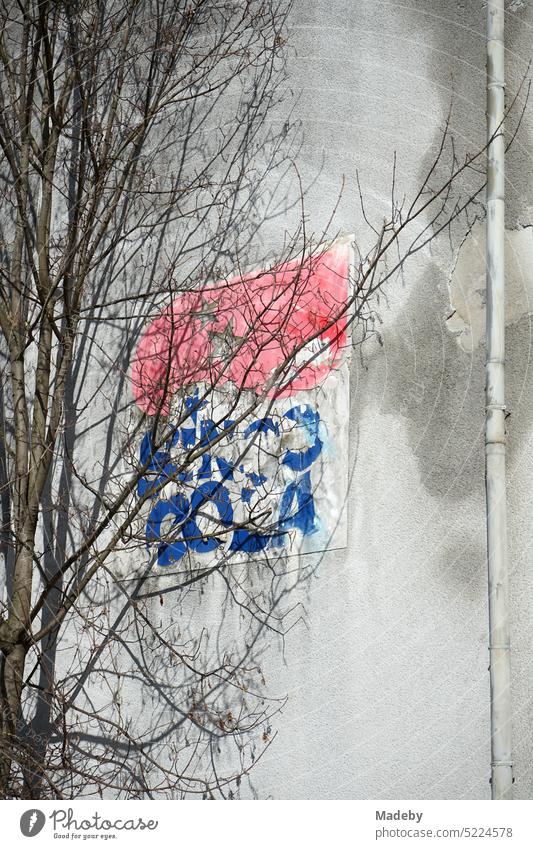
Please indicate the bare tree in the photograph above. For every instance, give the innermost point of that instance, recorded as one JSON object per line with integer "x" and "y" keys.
{"x": 138, "y": 164}
{"x": 122, "y": 174}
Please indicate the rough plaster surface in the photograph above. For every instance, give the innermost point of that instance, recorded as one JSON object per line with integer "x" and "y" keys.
{"x": 388, "y": 686}
{"x": 387, "y": 679}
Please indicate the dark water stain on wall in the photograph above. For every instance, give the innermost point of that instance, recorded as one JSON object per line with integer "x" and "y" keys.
{"x": 456, "y": 65}
{"x": 421, "y": 375}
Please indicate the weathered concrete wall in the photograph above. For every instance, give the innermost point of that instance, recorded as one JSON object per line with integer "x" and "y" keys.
{"x": 388, "y": 684}
{"x": 387, "y": 677}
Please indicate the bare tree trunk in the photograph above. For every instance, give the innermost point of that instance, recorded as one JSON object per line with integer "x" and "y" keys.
{"x": 13, "y": 673}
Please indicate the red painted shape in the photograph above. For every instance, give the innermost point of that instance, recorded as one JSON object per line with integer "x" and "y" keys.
{"x": 244, "y": 330}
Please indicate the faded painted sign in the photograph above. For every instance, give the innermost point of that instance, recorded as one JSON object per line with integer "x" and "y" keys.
{"x": 250, "y": 379}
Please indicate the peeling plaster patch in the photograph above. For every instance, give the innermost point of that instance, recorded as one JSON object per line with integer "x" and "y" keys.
{"x": 467, "y": 284}
{"x": 516, "y": 5}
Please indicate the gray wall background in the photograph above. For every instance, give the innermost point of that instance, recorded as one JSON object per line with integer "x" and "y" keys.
{"x": 387, "y": 674}
{"x": 388, "y": 681}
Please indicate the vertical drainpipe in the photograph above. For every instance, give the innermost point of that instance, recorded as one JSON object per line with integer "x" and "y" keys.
{"x": 498, "y": 580}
